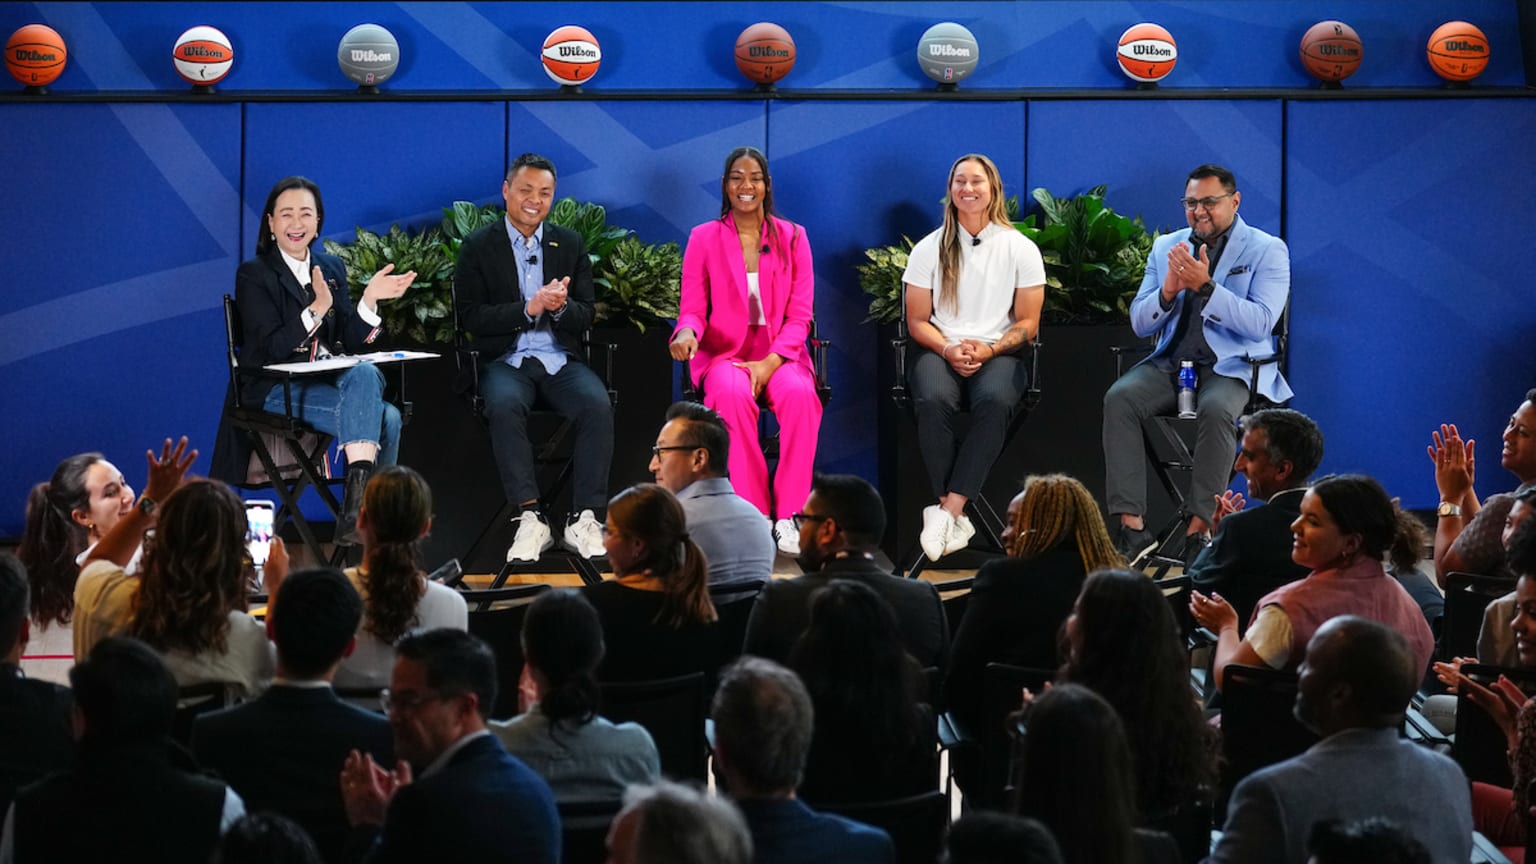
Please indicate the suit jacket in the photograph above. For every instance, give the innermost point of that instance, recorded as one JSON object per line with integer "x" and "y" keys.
{"x": 1250, "y": 554}
{"x": 1253, "y": 282}
{"x": 714, "y": 292}
{"x": 488, "y": 289}
{"x": 36, "y": 734}
{"x": 1350, "y": 775}
{"x": 783, "y": 609}
{"x": 736, "y": 539}
{"x": 283, "y": 752}
{"x": 484, "y": 806}
{"x": 786, "y": 831}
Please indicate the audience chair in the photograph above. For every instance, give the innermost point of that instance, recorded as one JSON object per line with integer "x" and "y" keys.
{"x": 955, "y": 595}
{"x": 1189, "y": 825}
{"x": 984, "y": 516}
{"x": 672, "y": 710}
{"x": 733, "y": 603}
{"x": 193, "y": 701}
{"x": 1479, "y": 746}
{"x": 584, "y": 829}
{"x": 1467, "y": 596}
{"x": 496, "y": 616}
{"x": 916, "y": 824}
{"x": 987, "y": 751}
{"x": 1258, "y": 727}
{"x": 369, "y": 698}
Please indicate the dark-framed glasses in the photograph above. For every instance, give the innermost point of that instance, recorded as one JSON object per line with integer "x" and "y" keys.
{"x": 799, "y": 519}
{"x": 1207, "y": 202}
{"x": 660, "y": 449}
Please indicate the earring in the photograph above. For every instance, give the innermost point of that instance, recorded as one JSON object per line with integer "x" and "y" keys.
{"x": 271, "y": 236}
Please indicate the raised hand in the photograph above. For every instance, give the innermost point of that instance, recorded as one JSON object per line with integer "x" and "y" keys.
{"x": 385, "y": 285}
{"x": 166, "y": 472}
{"x": 1453, "y": 461}
{"x": 323, "y": 299}
{"x": 1227, "y": 503}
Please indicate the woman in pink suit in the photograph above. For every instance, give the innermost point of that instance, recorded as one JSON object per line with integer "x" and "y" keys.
{"x": 745, "y": 313}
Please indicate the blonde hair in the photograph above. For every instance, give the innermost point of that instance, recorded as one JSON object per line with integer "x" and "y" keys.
{"x": 949, "y": 236}
{"x": 1055, "y": 507}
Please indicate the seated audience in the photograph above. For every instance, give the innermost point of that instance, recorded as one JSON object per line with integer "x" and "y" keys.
{"x": 669, "y": 823}
{"x": 560, "y": 734}
{"x": 132, "y": 795}
{"x": 454, "y": 789}
{"x": 981, "y": 837}
{"x": 1357, "y": 678}
{"x": 266, "y": 838}
{"x": 658, "y": 620}
{"x": 1055, "y": 537}
{"x": 1495, "y": 641}
{"x": 1466, "y": 538}
{"x": 689, "y": 459}
{"x": 1075, "y": 776}
{"x": 1347, "y": 527}
{"x": 874, "y": 737}
{"x": 1250, "y": 550}
{"x": 281, "y": 751}
{"x": 35, "y": 732}
{"x": 397, "y": 596}
{"x": 1123, "y": 643}
{"x": 763, "y": 731}
{"x": 1403, "y": 565}
{"x": 1366, "y": 841}
{"x": 841, "y": 525}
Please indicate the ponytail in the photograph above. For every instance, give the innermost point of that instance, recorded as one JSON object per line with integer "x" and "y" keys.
{"x": 1408, "y": 541}
{"x": 50, "y": 543}
{"x": 393, "y": 587}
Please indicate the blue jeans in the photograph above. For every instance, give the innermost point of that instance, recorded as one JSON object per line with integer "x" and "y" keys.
{"x": 351, "y": 407}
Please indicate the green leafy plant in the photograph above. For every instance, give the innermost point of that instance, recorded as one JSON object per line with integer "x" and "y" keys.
{"x": 591, "y": 222}
{"x": 640, "y": 283}
{"x": 425, "y": 312}
{"x": 1094, "y": 257}
{"x": 461, "y": 218}
{"x": 880, "y": 278}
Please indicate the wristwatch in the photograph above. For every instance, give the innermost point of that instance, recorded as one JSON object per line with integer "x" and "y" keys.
{"x": 1448, "y": 509}
{"x": 147, "y": 506}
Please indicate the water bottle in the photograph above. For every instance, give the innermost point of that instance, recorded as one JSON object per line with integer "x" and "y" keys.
{"x": 1186, "y": 389}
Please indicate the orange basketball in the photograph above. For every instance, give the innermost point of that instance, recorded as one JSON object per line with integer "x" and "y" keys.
{"x": 1146, "y": 53}
{"x": 571, "y": 55}
{"x": 1331, "y": 50}
{"x": 765, "y": 52}
{"x": 35, "y": 55}
{"x": 1458, "y": 51}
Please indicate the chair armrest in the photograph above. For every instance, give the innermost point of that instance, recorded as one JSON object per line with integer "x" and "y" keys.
{"x": 1122, "y": 353}
{"x": 899, "y": 344}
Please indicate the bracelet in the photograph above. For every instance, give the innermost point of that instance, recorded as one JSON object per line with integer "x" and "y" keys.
{"x": 945, "y": 353}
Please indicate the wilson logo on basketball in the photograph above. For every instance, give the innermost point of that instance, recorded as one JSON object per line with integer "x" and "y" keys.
{"x": 1142, "y": 49}
{"x": 28, "y": 55}
{"x": 371, "y": 56}
{"x": 1459, "y": 45}
{"x": 944, "y": 50}
{"x": 577, "y": 51}
{"x": 1327, "y": 50}
{"x": 765, "y": 51}
{"x": 193, "y": 51}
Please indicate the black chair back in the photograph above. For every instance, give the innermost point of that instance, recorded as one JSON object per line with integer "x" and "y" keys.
{"x": 1479, "y": 746}
{"x": 1467, "y": 596}
{"x": 584, "y": 829}
{"x": 1258, "y": 727}
{"x": 955, "y": 595}
{"x": 673, "y": 711}
{"x": 193, "y": 701}
{"x": 733, "y": 603}
{"x": 1001, "y": 695}
{"x": 916, "y": 824}
{"x": 496, "y": 616}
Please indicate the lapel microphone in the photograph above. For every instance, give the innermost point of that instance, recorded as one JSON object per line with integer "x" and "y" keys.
{"x": 533, "y": 259}
{"x": 765, "y": 249}
{"x": 975, "y": 241}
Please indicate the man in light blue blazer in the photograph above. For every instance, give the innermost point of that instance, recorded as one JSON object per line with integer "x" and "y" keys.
{"x": 1211, "y": 294}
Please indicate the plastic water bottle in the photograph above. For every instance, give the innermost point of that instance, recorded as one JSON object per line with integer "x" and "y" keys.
{"x": 1186, "y": 389}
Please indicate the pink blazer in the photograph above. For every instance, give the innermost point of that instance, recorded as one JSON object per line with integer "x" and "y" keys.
{"x": 714, "y": 292}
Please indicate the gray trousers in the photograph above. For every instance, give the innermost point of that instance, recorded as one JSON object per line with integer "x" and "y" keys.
{"x": 1147, "y": 391}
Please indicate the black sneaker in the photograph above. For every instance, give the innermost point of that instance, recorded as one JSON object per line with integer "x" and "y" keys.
{"x": 1132, "y": 543}
{"x": 1194, "y": 544}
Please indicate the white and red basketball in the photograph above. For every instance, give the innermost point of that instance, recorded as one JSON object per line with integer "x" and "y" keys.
{"x": 571, "y": 55}
{"x": 203, "y": 55}
{"x": 1147, "y": 53}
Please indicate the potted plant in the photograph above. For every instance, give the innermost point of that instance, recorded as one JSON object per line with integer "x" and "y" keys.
{"x": 1094, "y": 257}
{"x": 424, "y": 314}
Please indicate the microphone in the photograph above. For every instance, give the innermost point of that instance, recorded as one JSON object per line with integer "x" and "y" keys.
{"x": 533, "y": 259}
{"x": 975, "y": 241}
{"x": 765, "y": 249}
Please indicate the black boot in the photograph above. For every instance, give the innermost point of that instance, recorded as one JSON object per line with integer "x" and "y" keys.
{"x": 352, "y": 502}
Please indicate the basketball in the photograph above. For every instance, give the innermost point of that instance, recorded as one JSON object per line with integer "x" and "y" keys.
{"x": 368, "y": 54}
{"x": 764, "y": 52}
{"x": 1331, "y": 51}
{"x": 1146, "y": 53}
{"x": 948, "y": 52}
{"x": 35, "y": 55}
{"x": 203, "y": 55}
{"x": 571, "y": 55}
{"x": 1457, "y": 51}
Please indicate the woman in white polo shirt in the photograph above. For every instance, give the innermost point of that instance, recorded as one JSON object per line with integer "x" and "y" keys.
{"x": 975, "y": 288}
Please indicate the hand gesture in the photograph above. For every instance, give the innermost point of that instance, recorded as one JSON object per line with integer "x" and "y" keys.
{"x": 1450, "y": 673}
{"x": 1189, "y": 272}
{"x": 1502, "y": 702}
{"x": 366, "y": 789}
{"x": 685, "y": 345}
{"x": 961, "y": 358}
{"x": 1227, "y": 503}
{"x": 1213, "y": 612}
{"x": 1453, "y": 461}
{"x": 165, "y": 473}
{"x": 549, "y": 298}
{"x": 386, "y": 286}
{"x": 323, "y": 299}
{"x": 981, "y": 352}
{"x": 275, "y": 570}
{"x": 760, "y": 371}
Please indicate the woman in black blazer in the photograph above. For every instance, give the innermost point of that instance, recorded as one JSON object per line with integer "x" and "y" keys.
{"x": 294, "y": 306}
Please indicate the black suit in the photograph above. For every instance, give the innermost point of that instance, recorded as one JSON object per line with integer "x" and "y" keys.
{"x": 1250, "y": 554}
{"x": 284, "y": 752}
{"x": 36, "y": 736}
{"x": 783, "y": 609}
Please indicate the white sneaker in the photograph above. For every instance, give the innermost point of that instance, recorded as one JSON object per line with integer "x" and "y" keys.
{"x": 937, "y": 525}
{"x": 788, "y": 537}
{"x": 584, "y": 536}
{"x": 532, "y": 538}
{"x": 960, "y": 534}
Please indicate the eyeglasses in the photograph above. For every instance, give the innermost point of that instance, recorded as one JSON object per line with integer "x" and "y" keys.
{"x": 657, "y": 451}
{"x": 409, "y": 700}
{"x": 801, "y": 518}
{"x": 1209, "y": 202}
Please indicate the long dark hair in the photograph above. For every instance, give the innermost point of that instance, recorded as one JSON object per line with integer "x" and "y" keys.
{"x": 1129, "y": 650}
{"x": 398, "y": 507}
{"x": 194, "y": 571}
{"x": 651, "y": 514}
{"x": 265, "y": 242}
{"x": 52, "y": 539}
{"x": 725, "y": 195}
{"x": 563, "y": 640}
{"x": 1360, "y": 506}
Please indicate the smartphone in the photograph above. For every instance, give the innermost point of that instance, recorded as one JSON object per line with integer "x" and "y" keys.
{"x": 450, "y": 574}
{"x": 258, "y": 535}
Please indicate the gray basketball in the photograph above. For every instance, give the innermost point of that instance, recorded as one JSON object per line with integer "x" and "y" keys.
{"x": 948, "y": 52}
{"x": 368, "y": 54}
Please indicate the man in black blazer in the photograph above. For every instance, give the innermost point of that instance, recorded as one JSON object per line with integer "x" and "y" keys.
{"x": 282, "y": 752}
{"x": 840, "y": 529}
{"x": 1250, "y": 553}
{"x": 35, "y": 732}
{"x": 524, "y": 294}
{"x": 469, "y": 800}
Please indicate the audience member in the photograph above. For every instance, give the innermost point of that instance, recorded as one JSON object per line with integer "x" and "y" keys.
{"x": 840, "y": 530}
{"x": 658, "y": 620}
{"x": 524, "y": 292}
{"x": 1356, "y": 680}
{"x": 35, "y": 731}
{"x": 763, "y": 728}
{"x": 1123, "y": 643}
{"x": 689, "y": 460}
{"x": 1402, "y": 564}
{"x": 981, "y": 837}
{"x": 397, "y": 596}
{"x": 874, "y": 737}
{"x": 1366, "y": 841}
{"x": 669, "y": 823}
{"x": 747, "y": 298}
{"x": 560, "y": 735}
{"x": 1055, "y": 537}
{"x": 1347, "y": 527}
{"x": 1075, "y": 776}
{"x": 454, "y": 790}
{"x": 132, "y": 795}
{"x": 280, "y": 752}
{"x": 1495, "y": 641}
{"x": 1466, "y": 538}
{"x": 1250, "y": 550}
{"x": 266, "y": 838}
{"x": 974, "y": 290}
